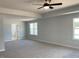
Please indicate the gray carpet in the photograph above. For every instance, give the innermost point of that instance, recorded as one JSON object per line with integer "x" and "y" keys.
{"x": 74, "y": 54}
{"x": 34, "y": 49}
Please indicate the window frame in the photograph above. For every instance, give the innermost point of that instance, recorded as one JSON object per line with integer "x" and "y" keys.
{"x": 34, "y": 29}
{"x": 75, "y": 29}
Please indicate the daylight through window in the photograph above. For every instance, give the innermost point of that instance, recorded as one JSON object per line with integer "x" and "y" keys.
{"x": 33, "y": 28}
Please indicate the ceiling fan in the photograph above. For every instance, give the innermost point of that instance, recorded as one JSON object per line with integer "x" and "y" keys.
{"x": 49, "y": 5}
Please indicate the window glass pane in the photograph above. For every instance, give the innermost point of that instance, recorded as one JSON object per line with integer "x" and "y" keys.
{"x": 76, "y": 22}
{"x": 76, "y": 31}
{"x": 35, "y": 25}
{"x": 35, "y": 29}
{"x": 31, "y": 28}
{"x": 76, "y": 28}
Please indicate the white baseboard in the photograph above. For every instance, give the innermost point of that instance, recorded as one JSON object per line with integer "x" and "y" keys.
{"x": 9, "y": 40}
{"x": 58, "y": 44}
{"x": 2, "y": 50}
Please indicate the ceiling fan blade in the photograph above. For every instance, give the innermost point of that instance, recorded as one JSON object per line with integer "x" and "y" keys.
{"x": 40, "y": 7}
{"x": 56, "y": 4}
{"x": 51, "y": 7}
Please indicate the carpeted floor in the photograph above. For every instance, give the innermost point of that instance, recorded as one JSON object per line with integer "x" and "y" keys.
{"x": 34, "y": 49}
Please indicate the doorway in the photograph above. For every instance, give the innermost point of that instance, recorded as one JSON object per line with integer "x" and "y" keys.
{"x": 14, "y": 31}
{"x": 17, "y": 31}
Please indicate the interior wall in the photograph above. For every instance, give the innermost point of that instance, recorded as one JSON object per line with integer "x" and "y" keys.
{"x": 7, "y": 32}
{"x": 55, "y": 30}
{"x": 20, "y": 30}
{"x": 2, "y": 45}
{"x": 5, "y": 28}
{"x": 27, "y": 29}
{"x": 8, "y": 20}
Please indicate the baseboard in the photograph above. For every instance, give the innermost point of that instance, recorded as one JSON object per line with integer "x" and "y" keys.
{"x": 69, "y": 46}
{"x": 9, "y": 40}
{"x": 2, "y": 50}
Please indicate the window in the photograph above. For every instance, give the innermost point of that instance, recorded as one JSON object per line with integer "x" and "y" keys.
{"x": 33, "y": 28}
{"x": 76, "y": 28}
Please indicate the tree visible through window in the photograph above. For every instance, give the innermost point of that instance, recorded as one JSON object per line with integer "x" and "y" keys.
{"x": 33, "y": 28}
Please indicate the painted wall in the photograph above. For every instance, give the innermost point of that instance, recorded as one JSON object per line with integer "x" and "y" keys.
{"x": 5, "y": 28}
{"x": 8, "y": 20}
{"x": 2, "y": 45}
{"x": 55, "y": 30}
{"x": 20, "y": 30}
{"x": 7, "y": 32}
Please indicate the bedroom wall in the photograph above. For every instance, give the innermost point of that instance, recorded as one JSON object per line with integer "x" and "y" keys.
{"x": 55, "y": 30}
{"x": 5, "y": 28}
{"x": 8, "y": 20}
{"x": 2, "y": 45}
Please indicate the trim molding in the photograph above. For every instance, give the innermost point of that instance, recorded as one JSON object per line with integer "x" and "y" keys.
{"x": 69, "y": 46}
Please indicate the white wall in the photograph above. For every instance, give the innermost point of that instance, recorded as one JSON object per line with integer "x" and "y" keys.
{"x": 5, "y": 28}
{"x": 56, "y": 30}
{"x": 7, "y": 32}
{"x": 8, "y": 20}
{"x": 2, "y": 45}
{"x": 20, "y": 30}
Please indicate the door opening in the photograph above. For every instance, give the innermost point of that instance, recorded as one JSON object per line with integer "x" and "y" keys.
{"x": 14, "y": 31}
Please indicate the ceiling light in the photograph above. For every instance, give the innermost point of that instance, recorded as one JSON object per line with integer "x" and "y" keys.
{"x": 46, "y": 7}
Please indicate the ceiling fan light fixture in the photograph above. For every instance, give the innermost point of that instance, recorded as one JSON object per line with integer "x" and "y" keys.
{"x": 46, "y": 7}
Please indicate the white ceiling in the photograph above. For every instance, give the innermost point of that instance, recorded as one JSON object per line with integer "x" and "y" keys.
{"x": 27, "y": 5}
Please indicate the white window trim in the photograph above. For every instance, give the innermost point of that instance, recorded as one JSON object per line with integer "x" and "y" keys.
{"x": 75, "y": 35}
{"x": 34, "y": 30}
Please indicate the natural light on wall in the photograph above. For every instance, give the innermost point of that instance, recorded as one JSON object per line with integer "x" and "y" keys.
{"x": 33, "y": 28}
{"x": 76, "y": 28}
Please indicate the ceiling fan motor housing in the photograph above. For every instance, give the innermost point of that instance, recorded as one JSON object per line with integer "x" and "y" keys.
{"x": 49, "y": 5}
{"x": 46, "y": 4}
